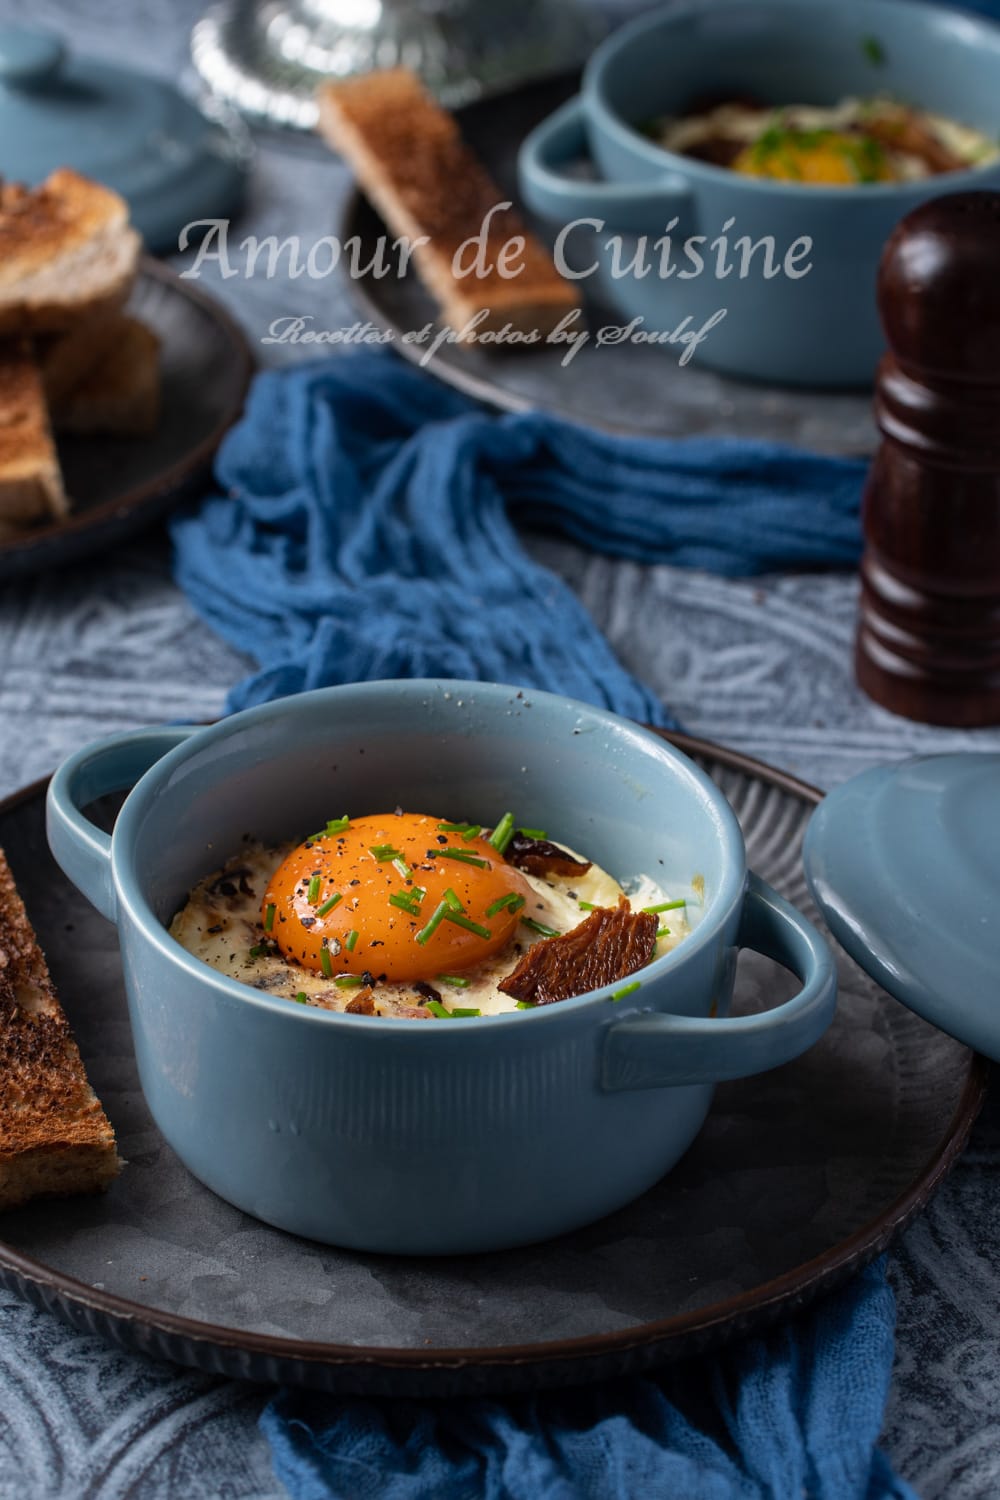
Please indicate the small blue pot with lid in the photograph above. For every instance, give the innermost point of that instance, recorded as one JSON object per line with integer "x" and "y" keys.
{"x": 131, "y": 131}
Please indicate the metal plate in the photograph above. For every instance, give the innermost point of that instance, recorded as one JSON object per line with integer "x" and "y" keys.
{"x": 120, "y": 485}
{"x": 625, "y": 388}
{"x": 798, "y": 1177}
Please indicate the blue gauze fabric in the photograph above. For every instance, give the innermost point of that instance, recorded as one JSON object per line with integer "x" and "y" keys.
{"x": 793, "y": 1415}
{"x": 366, "y": 531}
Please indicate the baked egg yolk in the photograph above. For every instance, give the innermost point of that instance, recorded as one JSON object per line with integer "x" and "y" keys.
{"x": 815, "y": 156}
{"x": 404, "y": 896}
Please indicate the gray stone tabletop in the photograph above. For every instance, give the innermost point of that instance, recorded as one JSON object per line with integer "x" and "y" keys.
{"x": 763, "y": 665}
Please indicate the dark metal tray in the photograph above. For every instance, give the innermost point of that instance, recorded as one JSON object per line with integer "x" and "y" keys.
{"x": 798, "y": 1177}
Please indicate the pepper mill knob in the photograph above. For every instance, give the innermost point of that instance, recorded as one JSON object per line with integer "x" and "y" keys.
{"x": 928, "y": 643}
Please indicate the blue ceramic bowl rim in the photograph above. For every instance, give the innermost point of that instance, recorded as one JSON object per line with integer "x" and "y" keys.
{"x": 133, "y": 901}
{"x": 597, "y": 106}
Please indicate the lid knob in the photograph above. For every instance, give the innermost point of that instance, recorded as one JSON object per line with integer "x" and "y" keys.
{"x": 28, "y": 55}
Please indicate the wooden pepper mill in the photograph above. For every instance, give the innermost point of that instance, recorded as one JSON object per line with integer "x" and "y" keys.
{"x": 928, "y": 644}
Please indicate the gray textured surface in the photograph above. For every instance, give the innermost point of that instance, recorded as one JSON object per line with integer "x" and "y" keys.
{"x": 763, "y": 665}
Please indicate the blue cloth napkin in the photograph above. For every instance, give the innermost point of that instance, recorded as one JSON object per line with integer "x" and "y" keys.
{"x": 791, "y": 1416}
{"x": 366, "y": 531}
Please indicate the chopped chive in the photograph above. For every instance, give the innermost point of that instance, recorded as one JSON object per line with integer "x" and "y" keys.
{"x": 437, "y": 1009}
{"x": 540, "y": 927}
{"x": 384, "y": 852}
{"x": 627, "y": 989}
{"x": 467, "y": 830}
{"x": 348, "y": 981}
{"x": 455, "y": 980}
{"x": 503, "y": 833}
{"x": 586, "y": 906}
{"x": 402, "y": 868}
{"x": 269, "y": 916}
{"x": 460, "y": 854}
{"x": 664, "y": 906}
{"x": 351, "y": 939}
{"x": 405, "y": 902}
{"x": 663, "y": 932}
{"x": 438, "y": 916}
{"x": 258, "y": 949}
{"x": 453, "y": 900}
{"x": 329, "y": 904}
{"x": 335, "y": 825}
{"x": 466, "y": 1010}
{"x": 325, "y": 962}
{"x": 533, "y": 833}
{"x": 525, "y": 1005}
{"x": 312, "y": 895}
{"x": 467, "y": 923}
{"x": 512, "y": 901}
{"x": 302, "y": 998}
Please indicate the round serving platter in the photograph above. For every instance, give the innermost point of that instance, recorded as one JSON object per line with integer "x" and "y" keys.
{"x": 798, "y": 1177}
{"x": 625, "y": 387}
{"x": 119, "y": 485}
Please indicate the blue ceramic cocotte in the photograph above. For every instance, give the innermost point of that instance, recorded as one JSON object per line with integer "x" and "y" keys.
{"x": 435, "y": 1136}
{"x": 814, "y": 327}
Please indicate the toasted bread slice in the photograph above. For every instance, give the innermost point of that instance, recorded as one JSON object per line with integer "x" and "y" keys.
{"x": 31, "y": 485}
{"x": 65, "y": 359}
{"x": 412, "y": 163}
{"x": 120, "y": 393}
{"x": 66, "y": 252}
{"x": 55, "y": 1138}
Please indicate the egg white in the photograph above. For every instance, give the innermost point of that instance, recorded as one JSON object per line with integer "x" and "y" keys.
{"x": 220, "y": 924}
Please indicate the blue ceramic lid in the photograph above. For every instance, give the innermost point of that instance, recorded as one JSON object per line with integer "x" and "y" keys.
{"x": 131, "y": 131}
{"x": 904, "y": 863}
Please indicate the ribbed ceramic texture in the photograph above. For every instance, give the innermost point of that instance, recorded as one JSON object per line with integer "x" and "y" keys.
{"x": 796, "y": 1177}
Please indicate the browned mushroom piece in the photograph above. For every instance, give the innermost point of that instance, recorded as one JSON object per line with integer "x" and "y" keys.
{"x": 903, "y": 130}
{"x": 362, "y": 1004}
{"x": 611, "y": 944}
{"x": 541, "y": 857}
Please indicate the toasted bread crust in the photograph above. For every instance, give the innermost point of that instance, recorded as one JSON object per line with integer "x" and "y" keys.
{"x": 54, "y": 1136}
{"x": 57, "y": 218}
{"x": 120, "y": 393}
{"x": 410, "y": 159}
{"x": 30, "y": 480}
{"x": 65, "y": 250}
{"x": 65, "y": 358}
